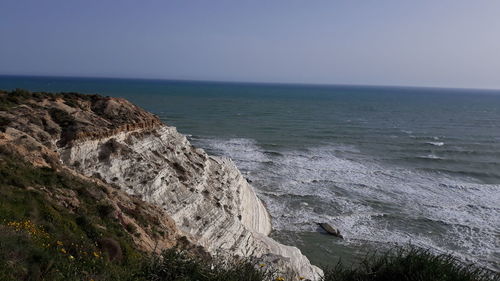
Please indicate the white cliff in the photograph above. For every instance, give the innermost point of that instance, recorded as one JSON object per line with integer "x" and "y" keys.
{"x": 206, "y": 196}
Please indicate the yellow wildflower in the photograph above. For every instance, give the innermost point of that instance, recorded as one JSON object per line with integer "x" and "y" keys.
{"x": 71, "y": 257}
{"x": 96, "y": 254}
{"x": 59, "y": 243}
{"x": 280, "y": 279}
{"x": 262, "y": 264}
{"x": 63, "y": 250}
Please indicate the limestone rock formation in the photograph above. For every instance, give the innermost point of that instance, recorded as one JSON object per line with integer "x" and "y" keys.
{"x": 126, "y": 147}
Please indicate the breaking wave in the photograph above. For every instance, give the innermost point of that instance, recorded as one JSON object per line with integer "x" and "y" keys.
{"x": 367, "y": 200}
{"x": 436, "y": 143}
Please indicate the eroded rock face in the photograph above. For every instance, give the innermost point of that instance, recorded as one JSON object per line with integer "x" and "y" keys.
{"x": 207, "y": 196}
{"x": 117, "y": 142}
{"x": 154, "y": 228}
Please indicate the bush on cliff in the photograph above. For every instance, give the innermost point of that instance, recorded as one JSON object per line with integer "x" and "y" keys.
{"x": 13, "y": 98}
{"x": 10, "y": 99}
{"x": 179, "y": 266}
{"x": 409, "y": 264}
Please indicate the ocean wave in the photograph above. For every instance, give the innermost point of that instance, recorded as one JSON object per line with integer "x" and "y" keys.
{"x": 471, "y": 175}
{"x": 367, "y": 200}
{"x": 273, "y": 153}
{"x": 430, "y": 156}
{"x": 435, "y": 143}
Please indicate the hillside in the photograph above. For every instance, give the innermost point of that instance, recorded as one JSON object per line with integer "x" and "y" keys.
{"x": 149, "y": 178}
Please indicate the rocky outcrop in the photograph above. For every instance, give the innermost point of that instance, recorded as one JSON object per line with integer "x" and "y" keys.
{"x": 207, "y": 196}
{"x": 330, "y": 229}
{"x": 130, "y": 149}
{"x": 153, "y": 228}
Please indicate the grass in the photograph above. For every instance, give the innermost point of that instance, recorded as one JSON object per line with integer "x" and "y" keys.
{"x": 41, "y": 240}
{"x": 409, "y": 264}
{"x": 179, "y": 266}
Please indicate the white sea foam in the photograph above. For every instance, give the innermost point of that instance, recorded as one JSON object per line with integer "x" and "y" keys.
{"x": 436, "y": 143}
{"x": 369, "y": 201}
{"x": 430, "y": 156}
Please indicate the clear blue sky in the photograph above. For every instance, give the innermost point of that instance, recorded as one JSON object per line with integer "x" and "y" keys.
{"x": 454, "y": 43}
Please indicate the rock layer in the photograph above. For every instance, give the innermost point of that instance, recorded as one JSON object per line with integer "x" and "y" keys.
{"x": 129, "y": 148}
{"x": 207, "y": 196}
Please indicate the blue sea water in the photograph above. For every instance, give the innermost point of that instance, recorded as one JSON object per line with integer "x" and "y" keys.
{"x": 386, "y": 165}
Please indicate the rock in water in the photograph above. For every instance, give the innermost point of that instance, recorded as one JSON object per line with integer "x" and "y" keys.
{"x": 330, "y": 229}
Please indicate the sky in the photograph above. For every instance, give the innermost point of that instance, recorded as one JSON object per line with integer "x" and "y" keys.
{"x": 442, "y": 43}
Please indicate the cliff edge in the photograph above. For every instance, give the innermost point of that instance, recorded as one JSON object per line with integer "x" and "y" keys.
{"x": 123, "y": 146}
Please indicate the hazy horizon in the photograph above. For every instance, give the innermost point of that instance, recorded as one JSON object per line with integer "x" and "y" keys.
{"x": 450, "y": 44}
{"x": 497, "y": 90}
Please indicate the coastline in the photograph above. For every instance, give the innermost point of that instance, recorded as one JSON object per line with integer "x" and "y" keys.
{"x": 120, "y": 144}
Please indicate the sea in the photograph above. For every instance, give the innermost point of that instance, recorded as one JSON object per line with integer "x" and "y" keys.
{"x": 387, "y": 166}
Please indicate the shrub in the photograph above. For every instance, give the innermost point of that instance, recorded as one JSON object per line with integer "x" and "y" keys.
{"x": 4, "y": 122}
{"x": 177, "y": 265}
{"x": 61, "y": 117}
{"x": 13, "y": 98}
{"x": 105, "y": 210}
{"x": 131, "y": 228}
{"x": 410, "y": 264}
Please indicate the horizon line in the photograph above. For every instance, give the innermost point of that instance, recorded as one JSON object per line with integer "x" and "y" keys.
{"x": 250, "y": 82}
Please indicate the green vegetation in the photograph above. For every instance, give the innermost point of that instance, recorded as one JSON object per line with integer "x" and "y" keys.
{"x": 178, "y": 266}
{"x": 41, "y": 240}
{"x": 409, "y": 264}
{"x": 4, "y": 122}
{"x": 10, "y": 99}
{"x": 13, "y": 98}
